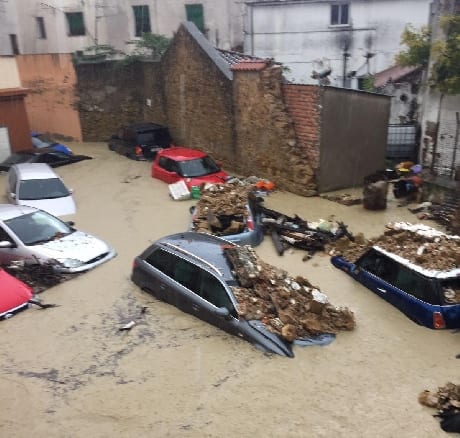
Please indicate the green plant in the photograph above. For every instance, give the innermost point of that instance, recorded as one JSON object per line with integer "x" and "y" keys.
{"x": 150, "y": 46}
{"x": 418, "y": 43}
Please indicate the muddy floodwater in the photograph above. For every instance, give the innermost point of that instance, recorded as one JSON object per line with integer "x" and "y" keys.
{"x": 70, "y": 372}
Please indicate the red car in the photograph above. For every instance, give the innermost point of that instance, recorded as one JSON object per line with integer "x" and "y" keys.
{"x": 190, "y": 165}
{"x": 14, "y": 295}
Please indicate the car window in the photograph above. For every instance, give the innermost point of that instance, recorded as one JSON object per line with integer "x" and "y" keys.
{"x": 185, "y": 273}
{"x": 212, "y": 290}
{"x": 198, "y": 167}
{"x": 416, "y": 285}
{"x": 12, "y": 179}
{"x": 33, "y": 189}
{"x": 451, "y": 290}
{"x": 5, "y": 236}
{"x": 162, "y": 260}
{"x": 167, "y": 164}
{"x": 379, "y": 265}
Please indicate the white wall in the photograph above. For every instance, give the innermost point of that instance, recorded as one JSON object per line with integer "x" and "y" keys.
{"x": 298, "y": 33}
{"x": 8, "y": 25}
{"x": 112, "y": 22}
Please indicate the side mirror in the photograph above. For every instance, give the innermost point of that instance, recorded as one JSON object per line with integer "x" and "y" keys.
{"x": 222, "y": 312}
{"x": 70, "y": 191}
{"x": 6, "y": 244}
{"x": 13, "y": 195}
{"x": 70, "y": 223}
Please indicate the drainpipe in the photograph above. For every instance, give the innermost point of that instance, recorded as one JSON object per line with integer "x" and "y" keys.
{"x": 346, "y": 55}
{"x": 438, "y": 122}
{"x": 454, "y": 156}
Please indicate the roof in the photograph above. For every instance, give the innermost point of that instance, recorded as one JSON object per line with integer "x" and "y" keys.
{"x": 34, "y": 171}
{"x": 393, "y": 74}
{"x": 9, "y": 211}
{"x": 181, "y": 153}
{"x": 226, "y": 61}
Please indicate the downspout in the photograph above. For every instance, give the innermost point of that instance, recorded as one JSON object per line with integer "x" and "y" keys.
{"x": 435, "y": 145}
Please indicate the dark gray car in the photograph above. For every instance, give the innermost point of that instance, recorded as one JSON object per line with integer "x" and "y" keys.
{"x": 190, "y": 271}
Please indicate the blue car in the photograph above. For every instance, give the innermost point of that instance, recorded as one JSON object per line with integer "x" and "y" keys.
{"x": 39, "y": 142}
{"x": 428, "y": 297}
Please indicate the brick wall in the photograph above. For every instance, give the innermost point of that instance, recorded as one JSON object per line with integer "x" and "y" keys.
{"x": 303, "y": 104}
{"x": 266, "y": 141}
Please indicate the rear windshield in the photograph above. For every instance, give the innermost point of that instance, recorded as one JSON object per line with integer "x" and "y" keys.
{"x": 157, "y": 137}
{"x": 451, "y": 290}
{"x": 34, "y": 189}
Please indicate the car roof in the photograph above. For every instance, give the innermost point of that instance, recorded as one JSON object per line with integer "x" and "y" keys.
{"x": 432, "y": 273}
{"x": 34, "y": 171}
{"x": 145, "y": 126}
{"x": 9, "y": 211}
{"x": 181, "y": 153}
{"x": 204, "y": 249}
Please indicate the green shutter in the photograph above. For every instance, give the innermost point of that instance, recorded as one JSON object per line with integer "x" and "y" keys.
{"x": 195, "y": 15}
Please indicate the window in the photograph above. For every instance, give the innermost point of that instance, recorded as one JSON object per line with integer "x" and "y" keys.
{"x": 41, "y": 27}
{"x": 141, "y": 20}
{"x": 76, "y": 25}
{"x": 212, "y": 290}
{"x": 195, "y": 14}
{"x": 339, "y": 14}
{"x": 163, "y": 261}
{"x": 14, "y": 43}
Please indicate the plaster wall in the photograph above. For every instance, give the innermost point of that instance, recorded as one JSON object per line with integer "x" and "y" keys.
{"x": 9, "y": 76}
{"x": 299, "y": 33}
{"x": 51, "y": 100}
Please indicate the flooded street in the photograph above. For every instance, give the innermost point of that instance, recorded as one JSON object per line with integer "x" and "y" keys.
{"x": 70, "y": 372}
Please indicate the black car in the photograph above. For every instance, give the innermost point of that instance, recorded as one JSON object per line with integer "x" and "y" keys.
{"x": 50, "y": 157}
{"x": 140, "y": 141}
{"x": 190, "y": 271}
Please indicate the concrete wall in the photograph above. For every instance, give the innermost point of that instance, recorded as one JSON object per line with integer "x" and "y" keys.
{"x": 297, "y": 33}
{"x": 353, "y": 137}
{"x": 51, "y": 81}
{"x": 13, "y": 115}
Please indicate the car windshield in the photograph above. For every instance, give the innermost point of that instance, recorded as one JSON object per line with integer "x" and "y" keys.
{"x": 33, "y": 189}
{"x": 451, "y": 290}
{"x": 198, "y": 167}
{"x": 38, "y": 227}
{"x": 38, "y": 143}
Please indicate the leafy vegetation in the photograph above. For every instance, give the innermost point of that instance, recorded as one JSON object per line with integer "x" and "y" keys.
{"x": 150, "y": 46}
{"x": 445, "y": 53}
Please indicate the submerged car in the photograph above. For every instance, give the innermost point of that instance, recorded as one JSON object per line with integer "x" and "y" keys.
{"x": 190, "y": 271}
{"x": 140, "y": 141}
{"x": 189, "y": 165}
{"x": 14, "y": 295}
{"x": 37, "y": 185}
{"x": 431, "y": 298}
{"x": 50, "y": 157}
{"x": 34, "y": 236}
{"x": 40, "y": 141}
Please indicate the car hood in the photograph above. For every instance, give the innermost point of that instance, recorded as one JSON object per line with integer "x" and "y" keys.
{"x": 213, "y": 178}
{"x": 57, "y": 206}
{"x": 78, "y": 245}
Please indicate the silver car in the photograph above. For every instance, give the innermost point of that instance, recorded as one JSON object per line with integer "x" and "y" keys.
{"x": 37, "y": 185}
{"x": 35, "y": 236}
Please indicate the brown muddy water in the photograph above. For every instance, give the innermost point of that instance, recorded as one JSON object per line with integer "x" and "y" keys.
{"x": 69, "y": 372}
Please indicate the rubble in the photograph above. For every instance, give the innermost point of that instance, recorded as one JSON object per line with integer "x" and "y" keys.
{"x": 422, "y": 245}
{"x": 222, "y": 208}
{"x": 290, "y": 307}
{"x": 344, "y": 199}
{"x": 447, "y": 401}
{"x": 38, "y": 276}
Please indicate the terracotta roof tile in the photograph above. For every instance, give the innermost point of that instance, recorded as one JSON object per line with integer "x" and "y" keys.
{"x": 392, "y": 74}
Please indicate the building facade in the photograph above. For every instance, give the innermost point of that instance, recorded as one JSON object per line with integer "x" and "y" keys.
{"x": 331, "y": 42}
{"x": 65, "y": 26}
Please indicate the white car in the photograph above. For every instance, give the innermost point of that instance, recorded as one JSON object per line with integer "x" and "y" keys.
{"x": 37, "y": 185}
{"x": 34, "y": 236}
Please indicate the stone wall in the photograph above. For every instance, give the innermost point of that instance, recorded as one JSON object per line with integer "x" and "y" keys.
{"x": 266, "y": 141}
{"x": 198, "y": 99}
{"x": 112, "y": 94}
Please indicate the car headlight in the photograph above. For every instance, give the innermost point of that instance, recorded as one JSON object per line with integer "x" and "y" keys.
{"x": 70, "y": 263}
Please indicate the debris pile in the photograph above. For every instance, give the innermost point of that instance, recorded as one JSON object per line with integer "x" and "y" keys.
{"x": 290, "y": 307}
{"x": 294, "y": 231}
{"x": 38, "y": 276}
{"x": 447, "y": 401}
{"x": 446, "y": 214}
{"x": 344, "y": 199}
{"x": 222, "y": 208}
{"x": 420, "y": 244}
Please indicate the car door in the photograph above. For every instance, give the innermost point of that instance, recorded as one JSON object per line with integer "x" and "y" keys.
{"x": 166, "y": 170}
